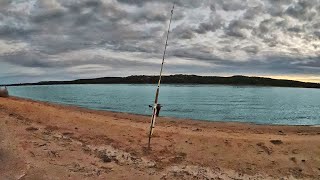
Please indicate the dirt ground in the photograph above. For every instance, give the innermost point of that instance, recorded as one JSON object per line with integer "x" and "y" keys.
{"x": 46, "y": 141}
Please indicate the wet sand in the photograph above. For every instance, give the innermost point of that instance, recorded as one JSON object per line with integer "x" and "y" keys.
{"x": 47, "y": 141}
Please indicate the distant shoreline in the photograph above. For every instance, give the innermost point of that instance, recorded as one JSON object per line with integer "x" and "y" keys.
{"x": 185, "y": 79}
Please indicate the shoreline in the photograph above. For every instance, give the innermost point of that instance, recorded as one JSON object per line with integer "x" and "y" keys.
{"x": 175, "y": 84}
{"x": 166, "y": 117}
{"x": 41, "y": 140}
{"x": 186, "y": 79}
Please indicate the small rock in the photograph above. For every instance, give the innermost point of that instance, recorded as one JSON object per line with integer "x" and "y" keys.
{"x": 196, "y": 129}
{"x": 53, "y": 154}
{"x": 58, "y": 136}
{"x": 265, "y": 148}
{"x": 67, "y": 133}
{"x": 86, "y": 149}
{"x": 151, "y": 164}
{"x": 32, "y": 129}
{"x": 32, "y": 154}
{"x": 106, "y": 169}
{"x": 98, "y": 172}
{"x": 105, "y": 158}
{"x": 293, "y": 159}
{"x": 303, "y": 160}
{"x": 276, "y": 142}
{"x": 295, "y": 151}
{"x": 44, "y": 144}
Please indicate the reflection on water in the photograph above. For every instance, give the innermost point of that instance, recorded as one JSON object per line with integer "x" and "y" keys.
{"x": 262, "y": 105}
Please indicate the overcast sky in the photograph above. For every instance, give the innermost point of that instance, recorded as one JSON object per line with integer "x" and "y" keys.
{"x": 70, "y": 39}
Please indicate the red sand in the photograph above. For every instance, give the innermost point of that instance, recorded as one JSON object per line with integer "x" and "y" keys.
{"x": 45, "y": 141}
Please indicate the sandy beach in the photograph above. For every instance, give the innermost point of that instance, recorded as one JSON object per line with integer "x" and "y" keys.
{"x": 46, "y": 141}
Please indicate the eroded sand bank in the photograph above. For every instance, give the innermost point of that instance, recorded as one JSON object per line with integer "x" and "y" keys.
{"x": 45, "y": 141}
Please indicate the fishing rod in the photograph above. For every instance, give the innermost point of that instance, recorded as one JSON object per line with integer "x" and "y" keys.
{"x": 154, "y": 110}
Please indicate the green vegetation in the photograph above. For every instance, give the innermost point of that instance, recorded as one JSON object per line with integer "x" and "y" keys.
{"x": 185, "y": 79}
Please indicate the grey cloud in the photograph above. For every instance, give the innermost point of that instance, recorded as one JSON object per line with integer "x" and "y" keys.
{"x": 253, "y": 12}
{"x": 317, "y": 33}
{"x": 133, "y": 2}
{"x": 316, "y": 25}
{"x": 77, "y": 6}
{"x": 181, "y": 3}
{"x": 4, "y": 2}
{"x": 35, "y": 61}
{"x": 13, "y": 26}
{"x": 302, "y": 10}
{"x": 235, "y": 28}
{"x": 27, "y": 59}
{"x": 265, "y": 26}
{"x": 276, "y": 11}
{"x": 48, "y": 16}
{"x": 295, "y": 29}
{"x": 213, "y": 8}
{"x": 280, "y": 2}
{"x": 251, "y": 49}
{"x": 232, "y": 5}
{"x": 276, "y": 8}
{"x": 66, "y": 30}
{"x": 182, "y": 32}
{"x": 9, "y": 31}
{"x": 226, "y": 49}
{"x": 214, "y": 24}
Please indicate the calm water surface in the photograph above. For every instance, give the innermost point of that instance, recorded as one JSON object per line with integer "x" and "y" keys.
{"x": 261, "y": 105}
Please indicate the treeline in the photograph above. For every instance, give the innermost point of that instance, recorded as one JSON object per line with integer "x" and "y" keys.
{"x": 184, "y": 79}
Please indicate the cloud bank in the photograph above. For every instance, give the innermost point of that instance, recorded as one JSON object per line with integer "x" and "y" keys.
{"x": 58, "y": 39}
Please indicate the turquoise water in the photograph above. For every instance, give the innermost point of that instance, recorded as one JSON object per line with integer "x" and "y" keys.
{"x": 261, "y": 105}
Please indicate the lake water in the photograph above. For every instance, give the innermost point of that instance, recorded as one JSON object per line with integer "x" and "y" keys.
{"x": 261, "y": 105}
